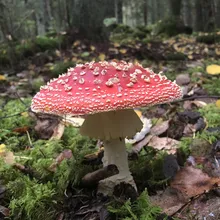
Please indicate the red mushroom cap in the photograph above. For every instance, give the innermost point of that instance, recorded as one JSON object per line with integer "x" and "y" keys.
{"x": 104, "y": 86}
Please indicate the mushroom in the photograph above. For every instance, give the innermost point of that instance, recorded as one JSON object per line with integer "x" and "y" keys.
{"x": 105, "y": 93}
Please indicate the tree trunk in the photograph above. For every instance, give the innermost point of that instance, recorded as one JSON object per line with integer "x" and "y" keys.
{"x": 145, "y": 12}
{"x": 47, "y": 15}
{"x": 118, "y": 11}
{"x": 175, "y": 6}
{"x": 187, "y": 13}
{"x": 217, "y": 13}
{"x": 39, "y": 15}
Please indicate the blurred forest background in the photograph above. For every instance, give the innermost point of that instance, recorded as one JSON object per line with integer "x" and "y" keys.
{"x": 25, "y": 24}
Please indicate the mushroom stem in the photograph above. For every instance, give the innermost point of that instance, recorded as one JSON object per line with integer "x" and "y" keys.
{"x": 115, "y": 153}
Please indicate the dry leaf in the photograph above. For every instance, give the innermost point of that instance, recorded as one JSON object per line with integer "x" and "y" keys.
{"x": 5, "y": 211}
{"x": 190, "y": 182}
{"x": 66, "y": 154}
{"x": 92, "y": 47}
{"x": 9, "y": 158}
{"x": 123, "y": 51}
{"x": 164, "y": 143}
{"x": 160, "y": 128}
{"x": 2, "y": 77}
{"x": 218, "y": 103}
{"x": 102, "y": 56}
{"x": 168, "y": 200}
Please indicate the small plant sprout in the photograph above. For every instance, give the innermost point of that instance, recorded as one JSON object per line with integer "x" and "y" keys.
{"x": 105, "y": 93}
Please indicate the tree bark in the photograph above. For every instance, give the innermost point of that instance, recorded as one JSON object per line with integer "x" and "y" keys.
{"x": 175, "y": 6}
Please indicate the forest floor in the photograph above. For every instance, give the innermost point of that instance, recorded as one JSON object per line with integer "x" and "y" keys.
{"x": 176, "y": 165}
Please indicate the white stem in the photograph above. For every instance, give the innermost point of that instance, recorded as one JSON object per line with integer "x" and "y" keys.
{"x": 115, "y": 153}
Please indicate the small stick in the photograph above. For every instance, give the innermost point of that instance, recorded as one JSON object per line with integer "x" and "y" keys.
{"x": 196, "y": 97}
{"x": 93, "y": 178}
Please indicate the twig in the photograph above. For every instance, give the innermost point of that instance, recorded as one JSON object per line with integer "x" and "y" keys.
{"x": 196, "y": 97}
{"x": 186, "y": 204}
{"x": 23, "y": 20}
{"x": 9, "y": 116}
{"x": 16, "y": 93}
{"x": 29, "y": 139}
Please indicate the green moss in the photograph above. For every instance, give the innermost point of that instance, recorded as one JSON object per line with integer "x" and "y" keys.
{"x": 141, "y": 209}
{"x": 25, "y": 49}
{"x": 33, "y": 200}
{"x": 61, "y": 67}
{"x": 34, "y": 195}
{"x": 47, "y": 43}
{"x": 211, "y": 113}
{"x": 210, "y": 38}
{"x": 176, "y": 56}
{"x": 148, "y": 168}
{"x": 171, "y": 26}
{"x": 11, "y": 108}
{"x": 212, "y": 85}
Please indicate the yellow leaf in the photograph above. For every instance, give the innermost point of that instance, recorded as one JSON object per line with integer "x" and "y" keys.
{"x": 2, "y": 77}
{"x": 2, "y": 149}
{"x": 217, "y": 51}
{"x": 74, "y": 59}
{"x": 58, "y": 53}
{"x": 213, "y": 69}
{"x": 116, "y": 45}
{"x": 139, "y": 113}
{"x": 190, "y": 57}
{"x": 92, "y": 48}
{"x": 218, "y": 103}
{"x": 123, "y": 51}
{"x": 102, "y": 56}
{"x": 24, "y": 114}
{"x": 76, "y": 43}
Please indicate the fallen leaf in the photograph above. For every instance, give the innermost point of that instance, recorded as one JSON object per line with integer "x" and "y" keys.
{"x": 2, "y": 149}
{"x": 58, "y": 53}
{"x": 190, "y": 182}
{"x": 21, "y": 130}
{"x": 92, "y": 47}
{"x": 66, "y": 154}
{"x": 2, "y": 77}
{"x": 5, "y": 211}
{"x": 213, "y": 69}
{"x": 9, "y": 158}
{"x": 218, "y": 103}
{"x": 123, "y": 51}
{"x": 168, "y": 200}
{"x": 165, "y": 143}
{"x": 76, "y": 43}
{"x": 102, "y": 56}
{"x": 160, "y": 128}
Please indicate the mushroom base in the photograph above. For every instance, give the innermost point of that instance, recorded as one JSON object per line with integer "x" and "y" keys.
{"x": 115, "y": 153}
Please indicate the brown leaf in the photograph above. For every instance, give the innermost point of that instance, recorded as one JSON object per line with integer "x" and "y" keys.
{"x": 164, "y": 143}
{"x": 66, "y": 154}
{"x": 159, "y": 128}
{"x": 21, "y": 130}
{"x": 190, "y": 182}
{"x": 5, "y": 211}
{"x": 168, "y": 200}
